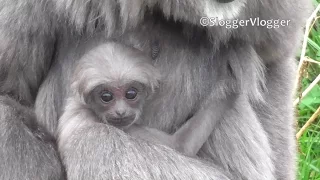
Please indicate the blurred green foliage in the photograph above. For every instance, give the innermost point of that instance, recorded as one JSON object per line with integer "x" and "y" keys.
{"x": 309, "y": 142}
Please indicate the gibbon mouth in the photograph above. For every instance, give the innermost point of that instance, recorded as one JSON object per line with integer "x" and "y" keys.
{"x": 224, "y": 1}
{"x": 121, "y": 122}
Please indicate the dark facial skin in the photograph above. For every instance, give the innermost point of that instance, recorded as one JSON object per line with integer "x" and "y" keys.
{"x": 119, "y": 106}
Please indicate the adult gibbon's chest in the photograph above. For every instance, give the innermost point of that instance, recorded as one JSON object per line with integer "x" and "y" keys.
{"x": 188, "y": 74}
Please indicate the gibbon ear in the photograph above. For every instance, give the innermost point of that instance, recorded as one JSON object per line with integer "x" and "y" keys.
{"x": 155, "y": 49}
{"x": 150, "y": 91}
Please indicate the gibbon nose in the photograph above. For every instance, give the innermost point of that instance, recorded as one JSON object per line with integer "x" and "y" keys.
{"x": 120, "y": 113}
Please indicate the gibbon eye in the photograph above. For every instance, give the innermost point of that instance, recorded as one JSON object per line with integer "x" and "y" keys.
{"x": 106, "y": 96}
{"x": 131, "y": 93}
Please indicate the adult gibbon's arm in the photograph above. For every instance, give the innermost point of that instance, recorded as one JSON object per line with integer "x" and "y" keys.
{"x": 27, "y": 33}
{"x": 26, "y": 49}
{"x": 92, "y": 150}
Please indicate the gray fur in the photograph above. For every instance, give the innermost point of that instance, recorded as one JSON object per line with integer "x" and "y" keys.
{"x": 113, "y": 64}
{"x": 192, "y": 135}
{"x": 255, "y": 61}
{"x": 108, "y": 64}
{"x": 26, "y": 152}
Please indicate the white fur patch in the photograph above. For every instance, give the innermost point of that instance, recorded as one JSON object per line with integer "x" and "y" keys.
{"x": 213, "y": 9}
